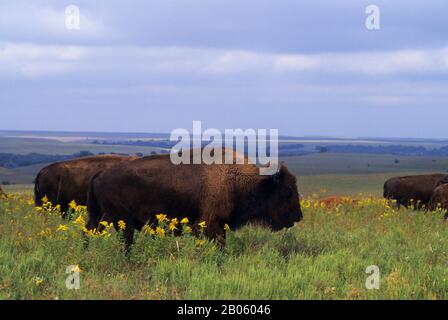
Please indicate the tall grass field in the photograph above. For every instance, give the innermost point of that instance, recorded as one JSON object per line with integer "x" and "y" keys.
{"x": 323, "y": 257}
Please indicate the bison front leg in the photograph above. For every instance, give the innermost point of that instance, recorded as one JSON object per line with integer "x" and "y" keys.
{"x": 217, "y": 206}
{"x": 128, "y": 238}
{"x": 220, "y": 238}
{"x": 215, "y": 232}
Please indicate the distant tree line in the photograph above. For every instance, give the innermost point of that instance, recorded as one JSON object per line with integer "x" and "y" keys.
{"x": 401, "y": 150}
{"x": 11, "y": 161}
{"x": 285, "y": 149}
{"x": 167, "y": 144}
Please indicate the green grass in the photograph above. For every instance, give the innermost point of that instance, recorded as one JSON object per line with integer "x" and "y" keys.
{"x": 18, "y": 188}
{"x": 346, "y": 184}
{"x": 323, "y": 257}
{"x": 26, "y": 175}
{"x": 349, "y": 164}
{"x": 47, "y": 146}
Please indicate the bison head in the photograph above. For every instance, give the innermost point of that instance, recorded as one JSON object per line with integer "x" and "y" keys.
{"x": 279, "y": 200}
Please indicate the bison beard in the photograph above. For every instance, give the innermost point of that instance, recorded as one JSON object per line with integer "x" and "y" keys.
{"x": 413, "y": 190}
{"x": 65, "y": 181}
{"x": 218, "y": 194}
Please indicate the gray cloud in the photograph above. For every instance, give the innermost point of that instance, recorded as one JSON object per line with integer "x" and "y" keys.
{"x": 308, "y": 67}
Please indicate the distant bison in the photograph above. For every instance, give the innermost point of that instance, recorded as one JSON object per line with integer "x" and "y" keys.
{"x": 413, "y": 191}
{"x": 65, "y": 181}
{"x": 334, "y": 201}
{"x": 2, "y": 194}
{"x": 439, "y": 199}
{"x": 218, "y": 194}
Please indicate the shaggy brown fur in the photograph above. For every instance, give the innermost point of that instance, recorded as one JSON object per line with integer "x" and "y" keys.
{"x": 416, "y": 188}
{"x": 334, "y": 201}
{"x": 218, "y": 194}
{"x": 439, "y": 199}
{"x": 65, "y": 181}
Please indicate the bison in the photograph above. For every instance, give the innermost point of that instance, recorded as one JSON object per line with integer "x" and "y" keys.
{"x": 413, "y": 190}
{"x": 219, "y": 194}
{"x": 65, "y": 181}
{"x": 439, "y": 199}
{"x": 335, "y": 201}
{"x": 3, "y": 195}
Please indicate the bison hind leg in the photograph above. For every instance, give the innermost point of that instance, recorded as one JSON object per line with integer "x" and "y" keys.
{"x": 128, "y": 238}
{"x": 93, "y": 222}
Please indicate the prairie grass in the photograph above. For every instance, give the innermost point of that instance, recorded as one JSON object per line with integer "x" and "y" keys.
{"x": 323, "y": 257}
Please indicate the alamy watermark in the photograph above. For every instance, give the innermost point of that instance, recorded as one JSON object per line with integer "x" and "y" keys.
{"x": 73, "y": 280}
{"x": 255, "y": 144}
{"x": 72, "y": 17}
{"x": 373, "y": 21}
{"x": 373, "y": 280}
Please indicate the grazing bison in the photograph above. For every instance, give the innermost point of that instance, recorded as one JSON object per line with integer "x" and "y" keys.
{"x": 439, "y": 199}
{"x": 2, "y": 194}
{"x": 218, "y": 194}
{"x": 65, "y": 181}
{"x": 413, "y": 190}
{"x": 335, "y": 201}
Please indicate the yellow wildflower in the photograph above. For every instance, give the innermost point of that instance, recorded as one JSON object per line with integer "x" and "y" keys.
{"x": 200, "y": 242}
{"x": 160, "y": 231}
{"x": 45, "y": 232}
{"x": 184, "y": 221}
{"x": 106, "y": 224}
{"x": 226, "y": 227}
{"x": 161, "y": 217}
{"x": 73, "y": 205}
{"x": 45, "y": 199}
{"x": 121, "y": 225}
{"x": 104, "y": 234}
{"x": 80, "y": 221}
{"x": 172, "y": 226}
{"x": 148, "y": 229}
{"x": 202, "y": 225}
{"x": 187, "y": 229}
{"x": 62, "y": 227}
{"x": 81, "y": 209}
{"x": 76, "y": 268}
{"x": 38, "y": 281}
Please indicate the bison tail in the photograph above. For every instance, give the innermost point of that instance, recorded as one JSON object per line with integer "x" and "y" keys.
{"x": 37, "y": 193}
{"x": 93, "y": 208}
{"x": 386, "y": 191}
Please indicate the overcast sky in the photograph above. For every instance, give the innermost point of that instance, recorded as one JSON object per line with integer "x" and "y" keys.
{"x": 304, "y": 67}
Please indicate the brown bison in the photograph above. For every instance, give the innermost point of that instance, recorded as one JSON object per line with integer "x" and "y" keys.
{"x": 439, "y": 199}
{"x": 335, "y": 201}
{"x": 218, "y": 194}
{"x": 3, "y": 195}
{"x": 413, "y": 191}
{"x": 65, "y": 181}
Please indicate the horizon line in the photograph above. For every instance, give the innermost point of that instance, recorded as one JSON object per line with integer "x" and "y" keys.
{"x": 286, "y": 136}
